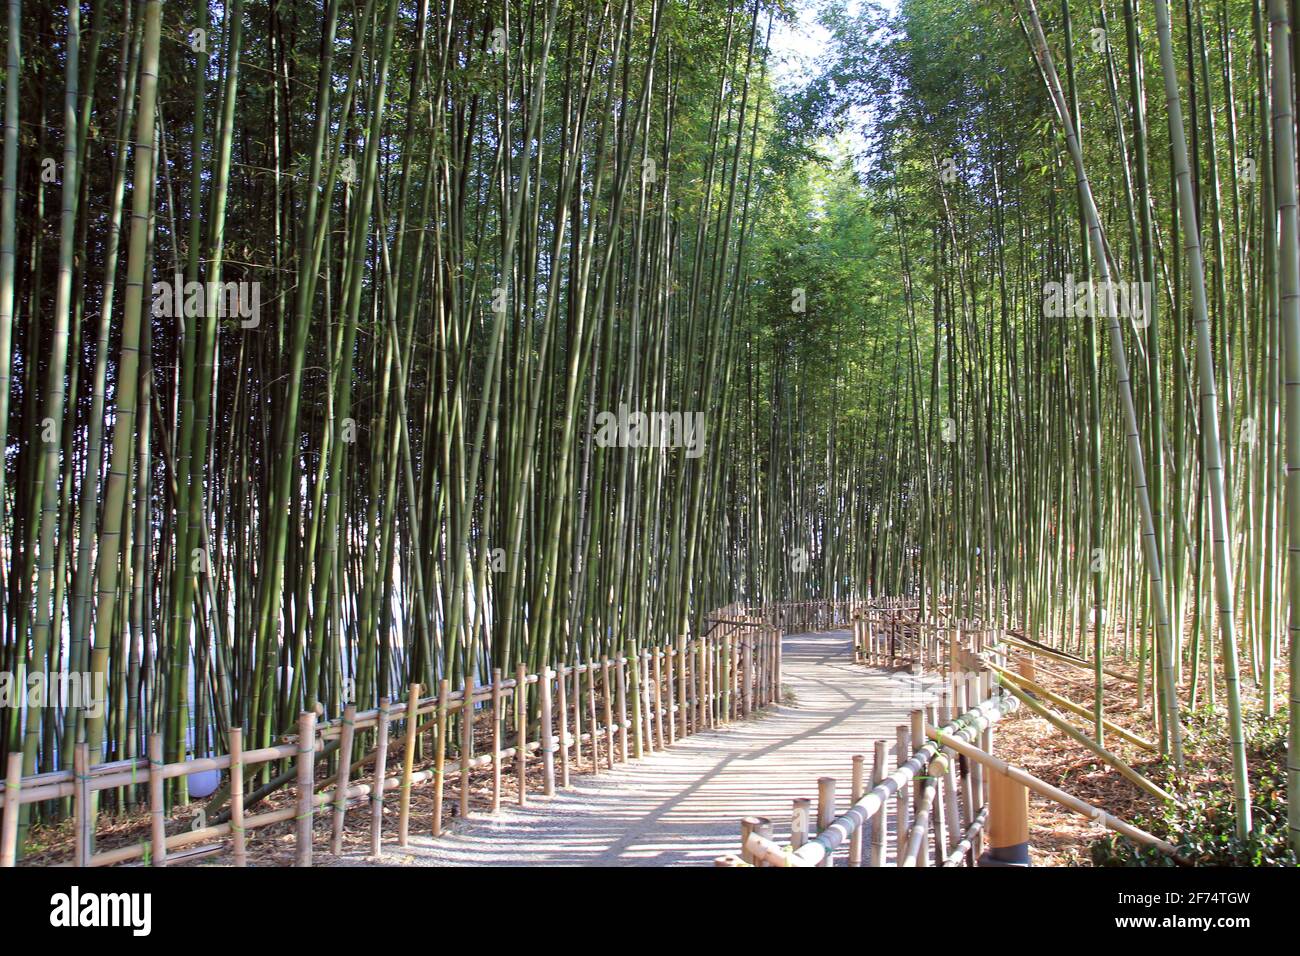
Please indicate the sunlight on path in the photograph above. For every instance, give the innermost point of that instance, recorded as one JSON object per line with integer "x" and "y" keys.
{"x": 682, "y": 806}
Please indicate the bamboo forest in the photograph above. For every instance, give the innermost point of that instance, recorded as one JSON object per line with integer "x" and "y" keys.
{"x": 602, "y": 433}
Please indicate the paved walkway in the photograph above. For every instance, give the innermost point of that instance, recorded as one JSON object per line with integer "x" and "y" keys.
{"x": 682, "y": 806}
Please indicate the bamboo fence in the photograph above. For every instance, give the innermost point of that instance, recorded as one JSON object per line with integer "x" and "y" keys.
{"x": 937, "y": 796}
{"x": 725, "y": 674}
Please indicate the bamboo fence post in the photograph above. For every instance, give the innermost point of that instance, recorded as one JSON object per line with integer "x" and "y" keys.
{"x": 157, "y": 821}
{"x": 521, "y": 731}
{"x": 701, "y": 685}
{"x": 546, "y": 736}
{"x": 562, "y": 708}
{"x": 591, "y": 714}
{"x": 81, "y": 796}
{"x": 917, "y": 736}
{"x": 441, "y": 723}
{"x": 764, "y": 829}
{"x": 609, "y": 711}
{"x": 799, "y": 822}
{"x": 730, "y": 684}
{"x": 747, "y": 650}
{"x": 341, "y": 785}
{"x": 9, "y": 824}
{"x": 408, "y": 764}
{"x": 880, "y": 822}
{"x": 681, "y": 686}
{"x": 644, "y": 739}
{"x": 859, "y": 776}
{"x": 777, "y": 660}
{"x": 748, "y": 825}
{"x": 649, "y": 688}
{"x": 659, "y": 698}
{"x": 904, "y": 754}
{"x": 467, "y": 742}
{"x": 670, "y": 698}
{"x": 306, "y": 787}
{"x": 235, "y": 741}
{"x": 620, "y": 670}
{"x": 825, "y": 810}
{"x": 577, "y": 716}
{"x": 381, "y": 768}
{"x": 770, "y": 666}
{"x": 496, "y": 739}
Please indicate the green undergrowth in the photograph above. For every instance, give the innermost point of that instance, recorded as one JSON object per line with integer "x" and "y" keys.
{"x": 1202, "y": 824}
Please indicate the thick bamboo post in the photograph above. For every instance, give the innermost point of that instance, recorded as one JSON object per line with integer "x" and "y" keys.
{"x": 496, "y": 739}
{"x": 341, "y": 784}
{"x": 620, "y": 669}
{"x": 521, "y": 731}
{"x": 9, "y": 823}
{"x": 731, "y": 671}
{"x": 799, "y": 822}
{"x": 747, "y": 648}
{"x": 1008, "y": 829}
{"x": 546, "y": 734}
{"x": 408, "y": 764}
{"x": 591, "y": 712}
{"x": 748, "y": 825}
{"x": 670, "y": 700}
{"x": 467, "y": 742}
{"x": 682, "y": 707}
{"x": 157, "y": 821}
{"x": 641, "y": 706}
{"x": 81, "y": 848}
{"x": 859, "y": 790}
{"x": 235, "y": 741}
{"x": 917, "y": 736}
{"x": 440, "y": 724}
{"x": 577, "y": 716}
{"x": 377, "y": 790}
{"x": 879, "y": 822}
{"x": 659, "y": 698}
{"x": 562, "y": 708}
{"x": 764, "y": 829}
{"x": 902, "y": 755}
{"x": 778, "y": 655}
{"x": 306, "y": 780}
{"x": 608, "y": 695}
{"x": 701, "y": 685}
{"x": 825, "y": 810}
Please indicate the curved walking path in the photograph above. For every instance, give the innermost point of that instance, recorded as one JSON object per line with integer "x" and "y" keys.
{"x": 682, "y": 805}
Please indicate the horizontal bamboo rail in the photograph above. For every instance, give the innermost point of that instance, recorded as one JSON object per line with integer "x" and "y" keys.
{"x": 727, "y": 673}
{"x": 1043, "y": 788}
{"x": 870, "y": 810}
{"x": 946, "y": 804}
